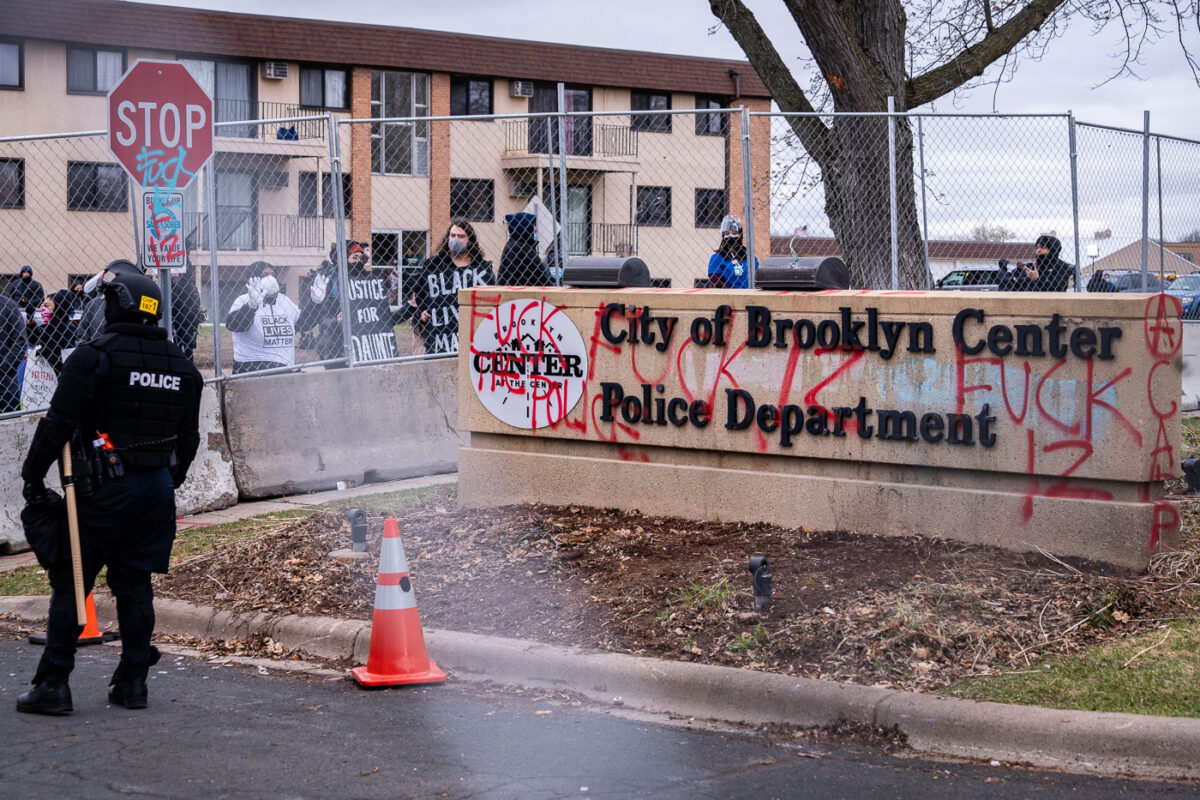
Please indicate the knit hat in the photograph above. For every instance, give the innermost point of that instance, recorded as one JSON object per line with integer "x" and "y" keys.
{"x": 355, "y": 247}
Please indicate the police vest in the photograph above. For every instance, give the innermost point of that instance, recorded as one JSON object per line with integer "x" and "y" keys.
{"x": 142, "y": 402}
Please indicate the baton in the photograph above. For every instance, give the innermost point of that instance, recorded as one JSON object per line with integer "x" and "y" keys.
{"x": 73, "y": 528}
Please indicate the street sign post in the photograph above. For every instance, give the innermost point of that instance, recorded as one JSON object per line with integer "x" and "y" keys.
{"x": 160, "y": 129}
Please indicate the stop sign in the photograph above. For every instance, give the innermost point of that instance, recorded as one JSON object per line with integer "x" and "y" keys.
{"x": 160, "y": 124}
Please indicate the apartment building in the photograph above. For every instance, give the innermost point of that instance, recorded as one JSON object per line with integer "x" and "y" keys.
{"x": 636, "y": 183}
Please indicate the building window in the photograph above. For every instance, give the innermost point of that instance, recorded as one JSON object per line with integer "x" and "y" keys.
{"x": 309, "y": 189}
{"x": 470, "y": 97}
{"x": 472, "y": 199}
{"x": 93, "y": 71}
{"x": 399, "y": 148}
{"x": 710, "y": 207}
{"x": 324, "y": 88}
{"x": 310, "y": 194}
{"x": 231, "y": 85}
{"x": 12, "y": 65}
{"x": 650, "y": 101}
{"x": 96, "y": 187}
{"x": 327, "y": 193}
{"x": 404, "y": 249}
{"x": 714, "y": 124}
{"x": 12, "y": 183}
{"x": 654, "y": 206}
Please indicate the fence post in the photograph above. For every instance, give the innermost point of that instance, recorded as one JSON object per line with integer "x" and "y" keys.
{"x": 748, "y": 197}
{"x": 339, "y": 228}
{"x": 924, "y": 203}
{"x": 1158, "y": 164}
{"x": 1145, "y": 196}
{"x": 893, "y": 217}
{"x": 1074, "y": 159}
{"x": 214, "y": 283}
{"x": 556, "y": 245}
{"x": 564, "y": 250}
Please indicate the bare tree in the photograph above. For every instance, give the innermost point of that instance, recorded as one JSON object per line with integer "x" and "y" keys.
{"x": 986, "y": 232}
{"x": 864, "y": 51}
{"x": 1191, "y": 236}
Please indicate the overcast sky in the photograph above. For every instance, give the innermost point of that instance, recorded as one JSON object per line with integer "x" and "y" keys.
{"x": 1023, "y": 163}
{"x": 1063, "y": 80}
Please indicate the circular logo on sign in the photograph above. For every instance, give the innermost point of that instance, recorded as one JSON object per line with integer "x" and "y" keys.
{"x": 528, "y": 364}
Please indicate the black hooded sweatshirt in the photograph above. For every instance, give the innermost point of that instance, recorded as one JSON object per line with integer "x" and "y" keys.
{"x": 27, "y": 294}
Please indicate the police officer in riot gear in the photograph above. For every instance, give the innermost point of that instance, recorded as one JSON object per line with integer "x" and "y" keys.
{"x": 129, "y": 403}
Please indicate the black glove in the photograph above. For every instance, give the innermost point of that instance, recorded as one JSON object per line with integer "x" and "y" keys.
{"x": 35, "y": 493}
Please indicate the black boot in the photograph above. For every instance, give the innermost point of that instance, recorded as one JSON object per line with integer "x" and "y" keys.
{"x": 130, "y": 693}
{"x": 52, "y": 696}
{"x": 128, "y": 685}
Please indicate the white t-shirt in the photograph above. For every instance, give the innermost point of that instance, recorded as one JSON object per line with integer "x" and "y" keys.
{"x": 272, "y": 335}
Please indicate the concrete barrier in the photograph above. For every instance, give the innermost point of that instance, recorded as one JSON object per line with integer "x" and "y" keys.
{"x": 210, "y": 482}
{"x": 1191, "y": 365}
{"x": 308, "y": 431}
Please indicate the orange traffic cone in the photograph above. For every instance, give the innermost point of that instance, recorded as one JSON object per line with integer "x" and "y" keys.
{"x": 91, "y": 630}
{"x": 397, "y": 655}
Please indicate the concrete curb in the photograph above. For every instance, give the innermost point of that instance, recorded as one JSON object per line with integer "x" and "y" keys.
{"x": 1163, "y": 747}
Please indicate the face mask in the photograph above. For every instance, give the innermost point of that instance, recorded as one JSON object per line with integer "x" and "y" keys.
{"x": 269, "y": 287}
{"x": 456, "y": 246}
{"x": 26, "y": 277}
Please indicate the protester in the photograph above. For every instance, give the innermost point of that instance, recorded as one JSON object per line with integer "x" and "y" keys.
{"x": 727, "y": 266}
{"x": 12, "y": 352}
{"x": 1100, "y": 283}
{"x": 26, "y": 292}
{"x": 263, "y": 321}
{"x": 322, "y": 302}
{"x": 53, "y": 331}
{"x": 133, "y": 390}
{"x": 458, "y": 264}
{"x": 372, "y": 318}
{"x": 1047, "y": 273}
{"x": 186, "y": 311}
{"x": 520, "y": 264}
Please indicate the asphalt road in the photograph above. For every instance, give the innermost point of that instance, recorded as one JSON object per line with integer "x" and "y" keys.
{"x": 223, "y": 731}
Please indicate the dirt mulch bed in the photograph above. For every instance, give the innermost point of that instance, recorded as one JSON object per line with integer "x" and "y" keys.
{"x": 905, "y": 613}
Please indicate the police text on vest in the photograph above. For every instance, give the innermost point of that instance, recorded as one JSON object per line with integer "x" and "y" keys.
{"x": 154, "y": 380}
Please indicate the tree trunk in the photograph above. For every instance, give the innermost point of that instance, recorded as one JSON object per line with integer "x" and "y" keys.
{"x": 858, "y": 200}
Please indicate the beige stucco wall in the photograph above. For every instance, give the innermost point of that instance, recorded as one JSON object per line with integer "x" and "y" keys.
{"x": 1078, "y": 446}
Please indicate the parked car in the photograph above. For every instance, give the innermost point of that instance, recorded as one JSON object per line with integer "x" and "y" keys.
{"x": 1187, "y": 289}
{"x": 976, "y": 280}
{"x": 1131, "y": 281}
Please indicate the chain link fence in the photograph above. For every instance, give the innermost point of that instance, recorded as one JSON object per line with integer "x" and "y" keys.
{"x": 318, "y": 243}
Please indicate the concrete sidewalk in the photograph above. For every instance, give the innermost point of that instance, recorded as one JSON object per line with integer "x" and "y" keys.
{"x": 255, "y": 507}
{"x": 1104, "y": 743}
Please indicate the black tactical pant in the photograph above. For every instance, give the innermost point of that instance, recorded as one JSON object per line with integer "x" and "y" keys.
{"x": 135, "y": 615}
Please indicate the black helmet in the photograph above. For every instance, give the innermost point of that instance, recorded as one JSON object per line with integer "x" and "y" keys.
{"x": 130, "y": 297}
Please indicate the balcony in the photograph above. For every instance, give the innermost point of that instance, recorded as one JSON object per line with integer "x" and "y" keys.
{"x": 588, "y": 145}
{"x": 240, "y": 229}
{"x": 244, "y": 111}
{"x": 585, "y": 238}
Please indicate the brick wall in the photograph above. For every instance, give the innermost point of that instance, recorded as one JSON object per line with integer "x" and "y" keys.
{"x": 360, "y": 154}
{"x": 439, "y": 158}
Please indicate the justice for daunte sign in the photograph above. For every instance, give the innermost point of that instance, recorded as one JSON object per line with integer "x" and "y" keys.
{"x": 1060, "y": 397}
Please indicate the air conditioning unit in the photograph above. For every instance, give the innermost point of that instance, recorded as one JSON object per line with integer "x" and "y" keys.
{"x": 520, "y": 88}
{"x": 274, "y": 70}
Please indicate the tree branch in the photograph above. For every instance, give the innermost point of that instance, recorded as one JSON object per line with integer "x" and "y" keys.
{"x": 775, "y": 75}
{"x": 972, "y": 61}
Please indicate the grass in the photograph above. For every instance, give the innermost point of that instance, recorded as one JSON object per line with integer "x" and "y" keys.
{"x": 194, "y": 540}
{"x": 1153, "y": 673}
{"x": 697, "y": 597}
